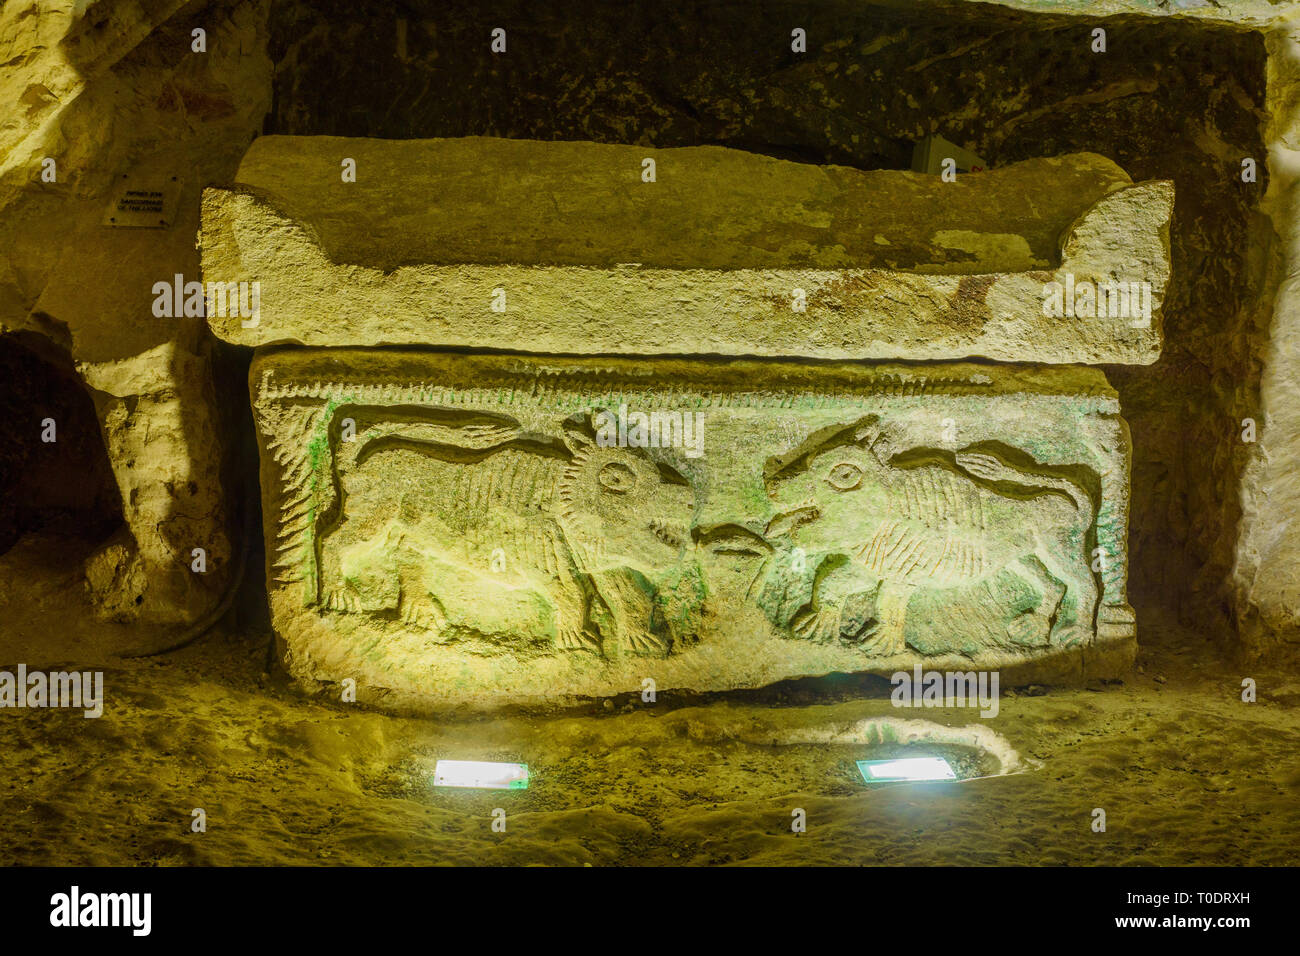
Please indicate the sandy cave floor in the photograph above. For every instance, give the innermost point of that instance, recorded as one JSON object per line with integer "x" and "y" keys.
{"x": 1187, "y": 774}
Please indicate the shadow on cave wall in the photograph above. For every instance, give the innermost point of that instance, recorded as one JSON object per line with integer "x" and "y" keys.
{"x": 1168, "y": 99}
{"x": 55, "y": 476}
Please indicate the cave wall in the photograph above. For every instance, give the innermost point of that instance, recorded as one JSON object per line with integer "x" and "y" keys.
{"x": 110, "y": 90}
{"x": 50, "y": 482}
{"x": 1266, "y": 577}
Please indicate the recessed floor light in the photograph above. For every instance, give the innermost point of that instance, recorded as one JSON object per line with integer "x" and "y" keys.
{"x": 481, "y": 774}
{"x": 905, "y": 768}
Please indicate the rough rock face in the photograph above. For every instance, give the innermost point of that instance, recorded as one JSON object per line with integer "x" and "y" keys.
{"x": 159, "y": 414}
{"x": 113, "y": 93}
{"x": 451, "y": 243}
{"x": 472, "y": 532}
{"x": 1266, "y": 576}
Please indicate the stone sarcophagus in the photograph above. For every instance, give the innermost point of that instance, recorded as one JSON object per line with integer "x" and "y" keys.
{"x": 451, "y": 529}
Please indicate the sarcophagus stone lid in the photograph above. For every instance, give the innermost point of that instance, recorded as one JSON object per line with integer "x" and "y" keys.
{"x": 591, "y": 248}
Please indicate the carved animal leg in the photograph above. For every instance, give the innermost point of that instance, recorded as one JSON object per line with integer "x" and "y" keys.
{"x": 572, "y": 632}
{"x": 1074, "y": 620}
{"x": 341, "y": 598}
{"x": 678, "y": 606}
{"x": 818, "y": 624}
{"x": 632, "y": 608}
{"x": 1033, "y": 626}
{"x": 820, "y": 620}
{"x": 421, "y": 610}
{"x": 364, "y": 577}
{"x": 335, "y": 594}
{"x": 835, "y": 613}
{"x": 891, "y": 610}
{"x": 859, "y": 616}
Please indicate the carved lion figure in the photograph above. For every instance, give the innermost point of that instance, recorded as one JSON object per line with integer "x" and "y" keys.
{"x": 490, "y": 519}
{"x": 893, "y": 523}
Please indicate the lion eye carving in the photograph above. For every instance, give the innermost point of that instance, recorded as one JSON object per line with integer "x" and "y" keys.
{"x": 844, "y": 477}
{"x": 617, "y": 477}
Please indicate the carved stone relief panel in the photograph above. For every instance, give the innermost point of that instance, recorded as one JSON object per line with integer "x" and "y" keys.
{"x": 478, "y": 531}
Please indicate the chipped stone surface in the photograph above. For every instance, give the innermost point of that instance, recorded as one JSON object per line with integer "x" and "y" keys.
{"x": 156, "y": 432}
{"x": 414, "y": 251}
{"x": 455, "y": 531}
{"x": 1256, "y": 13}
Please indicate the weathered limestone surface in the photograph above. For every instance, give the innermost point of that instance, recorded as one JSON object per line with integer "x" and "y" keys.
{"x": 1257, "y": 13}
{"x": 154, "y": 424}
{"x": 1266, "y": 575}
{"x": 593, "y": 260}
{"x": 107, "y": 91}
{"x": 463, "y": 531}
{"x": 491, "y": 201}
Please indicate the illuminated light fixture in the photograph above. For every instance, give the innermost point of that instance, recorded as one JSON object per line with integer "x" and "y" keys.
{"x": 482, "y": 774}
{"x": 905, "y": 768}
